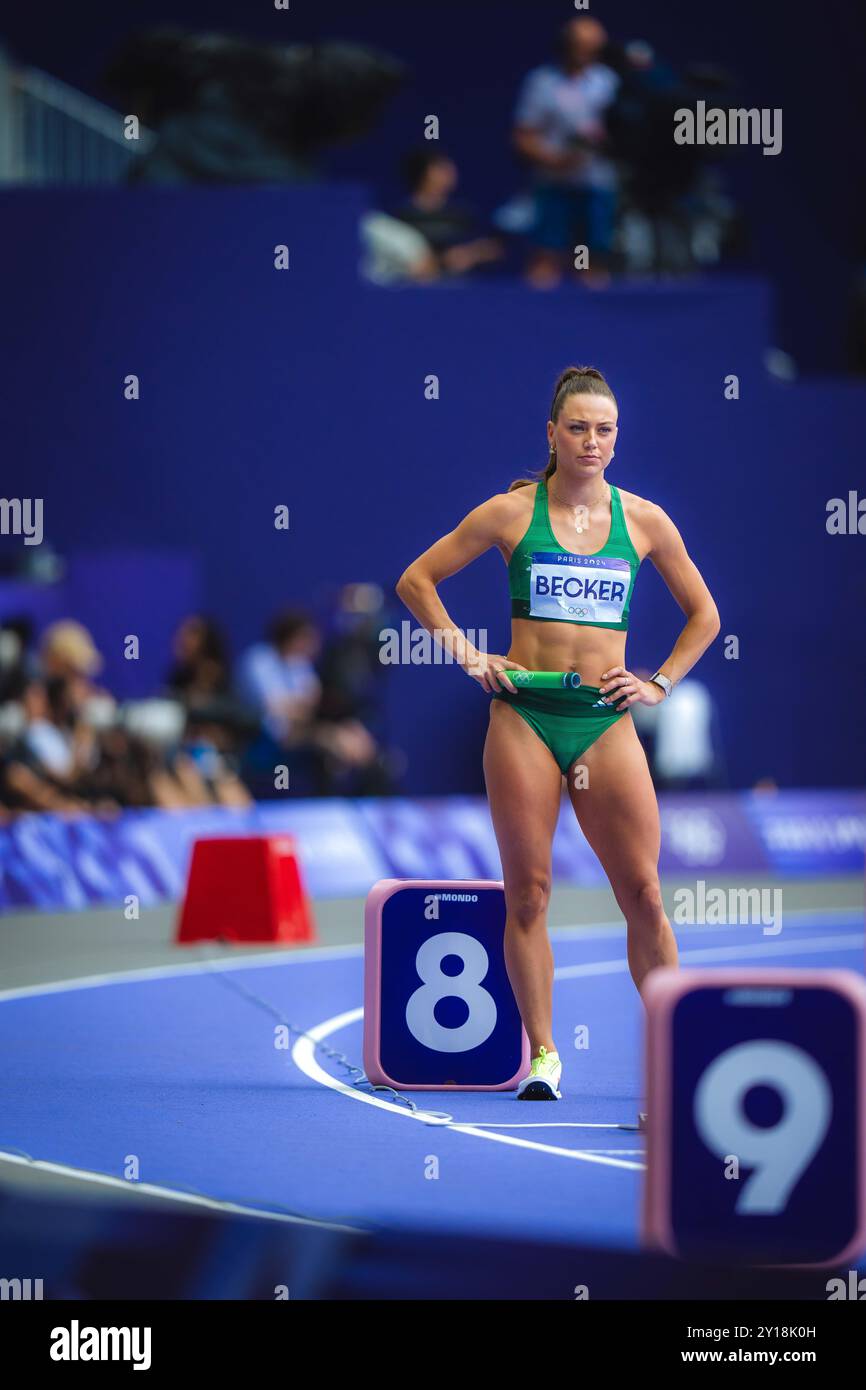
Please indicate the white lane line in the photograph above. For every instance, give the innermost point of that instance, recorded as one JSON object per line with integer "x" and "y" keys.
{"x": 798, "y": 916}
{"x": 296, "y": 955}
{"x": 171, "y": 1194}
{"x": 614, "y": 1151}
{"x": 303, "y": 1052}
{"x": 545, "y": 1124}
{"x": 850, "y": 941}
{"x": 303, "y": 1055}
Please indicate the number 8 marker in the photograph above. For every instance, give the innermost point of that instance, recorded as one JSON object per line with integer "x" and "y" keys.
{"x": 466, "y": 986}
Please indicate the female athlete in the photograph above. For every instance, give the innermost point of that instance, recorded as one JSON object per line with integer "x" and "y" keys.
{"x": 573, "y": 543}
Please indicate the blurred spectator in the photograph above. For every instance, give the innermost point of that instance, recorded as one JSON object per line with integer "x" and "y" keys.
{"x": 352, "y": 672}
{"x": 45, "y": 761}
{"x": 67, "y": 746}
{"x": 452, "y": 230}
{"x": 393, "y": 252}
{"x": 681, "y": 737}
{"x": 74, "y": 752}
{"x": 128, "y": 772}
{"x": 67, "y": 651}
{"x": 231, "y": 110}
{"x": 69, "y": 660}
{"x": 675, "y": 216}
{"x": 207, "y": 759}
{"x": 52, "y": 759}
{"x": 17, "y": 663}
{"x": 201, "y": 668}
{"x": 685, "y": 748}
{"x": 279, "y": 678}
{"x": 218, "y": 725}
{"x": 559, "y": 130}
{"x": 134, "y": 770}
{"x": 350, "y": 668}
{"x": 48, "y": 738}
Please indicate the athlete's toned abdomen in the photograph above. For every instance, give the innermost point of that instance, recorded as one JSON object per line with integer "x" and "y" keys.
{"x": 549, "y": 646}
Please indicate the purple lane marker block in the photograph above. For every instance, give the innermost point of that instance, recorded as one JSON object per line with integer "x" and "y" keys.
{"x": 439, "y": 1011}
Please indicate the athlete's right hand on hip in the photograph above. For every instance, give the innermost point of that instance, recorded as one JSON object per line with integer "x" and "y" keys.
{"x": 490, "y": 671}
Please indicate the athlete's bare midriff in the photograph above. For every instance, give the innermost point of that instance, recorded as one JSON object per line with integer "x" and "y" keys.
{"x": 541, "y": 645}
{"x": 548, "y": 646}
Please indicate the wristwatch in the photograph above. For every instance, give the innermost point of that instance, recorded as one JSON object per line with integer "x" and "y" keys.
{"x": 665, "y": 682}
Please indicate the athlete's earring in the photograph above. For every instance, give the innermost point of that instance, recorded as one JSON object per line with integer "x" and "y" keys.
{"x": 612, "y": 452}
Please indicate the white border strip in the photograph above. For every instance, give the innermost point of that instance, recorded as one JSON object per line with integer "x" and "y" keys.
{"x": 172, "y": 1194}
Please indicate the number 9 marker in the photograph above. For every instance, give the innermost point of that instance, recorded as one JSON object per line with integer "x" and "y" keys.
{"x": 756, "y": 1106}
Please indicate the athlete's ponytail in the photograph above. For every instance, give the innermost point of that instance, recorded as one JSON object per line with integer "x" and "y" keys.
{"x": 584, "y": 381}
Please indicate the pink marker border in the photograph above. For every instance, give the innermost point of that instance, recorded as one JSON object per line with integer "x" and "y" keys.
{"x": 662, "y": 990}
{"x": 376, "y": 898}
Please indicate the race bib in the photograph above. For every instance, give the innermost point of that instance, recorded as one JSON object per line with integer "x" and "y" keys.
{"x": 578, "y": 588}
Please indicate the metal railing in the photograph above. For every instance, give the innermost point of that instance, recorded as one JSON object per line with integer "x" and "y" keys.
{"x": 51, "y": 133}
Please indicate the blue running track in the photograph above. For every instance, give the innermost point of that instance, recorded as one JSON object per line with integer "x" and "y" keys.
{"x": 176, "y": 1071}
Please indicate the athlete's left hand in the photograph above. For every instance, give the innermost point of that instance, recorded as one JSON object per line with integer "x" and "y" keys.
{"x": 623, "y": 684}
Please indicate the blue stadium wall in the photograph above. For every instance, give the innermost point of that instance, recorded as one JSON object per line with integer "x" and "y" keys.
{"x": 306, "y": 388}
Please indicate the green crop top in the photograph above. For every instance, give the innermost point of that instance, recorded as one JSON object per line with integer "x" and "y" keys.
{"x": 553, "y": 584}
